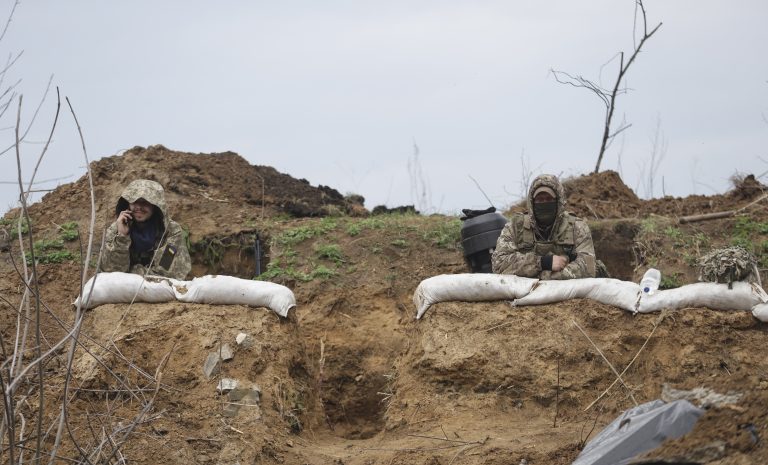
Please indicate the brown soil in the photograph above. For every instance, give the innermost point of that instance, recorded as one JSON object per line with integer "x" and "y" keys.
{"x": 352, "y": 378}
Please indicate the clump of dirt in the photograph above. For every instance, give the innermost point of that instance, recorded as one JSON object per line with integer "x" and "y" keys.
{"x": 600, "y": 195}
{"x": 352, "y": 377}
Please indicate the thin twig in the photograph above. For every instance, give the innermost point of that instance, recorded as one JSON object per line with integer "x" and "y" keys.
{"x": 231, "y": 427}
{"x": 606, "y": 361}
{"x": 498, "y": 326}
{"x": 446, "y": 439}
{"x": 557, "y": 394}
{"x": 655, "y": 325}
{"x": 40, "y": 370}
{"x": 481, "y": 190}
{"x": 201, "y": 440}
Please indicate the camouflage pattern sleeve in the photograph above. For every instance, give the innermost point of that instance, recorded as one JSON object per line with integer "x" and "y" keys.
{"x": 584, "y": 265}
{"x": 115, "y": 255}
{"x": 510, "y": 258}
{"x": 181, "y": 264}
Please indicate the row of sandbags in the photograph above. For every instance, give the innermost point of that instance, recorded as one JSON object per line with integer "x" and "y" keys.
{"x": 623, "y": 294}
{"x": 114, "y": 288}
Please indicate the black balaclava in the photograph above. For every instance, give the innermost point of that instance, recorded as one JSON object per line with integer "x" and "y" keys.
{"x": 545, "y": 213}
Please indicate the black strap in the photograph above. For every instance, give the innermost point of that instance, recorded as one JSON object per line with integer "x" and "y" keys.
{"x": 474, "y": 213}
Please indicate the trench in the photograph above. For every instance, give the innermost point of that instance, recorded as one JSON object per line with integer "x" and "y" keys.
{"x": 614, "y": 241}
{"x": 354, "y": 400}
{"x": 355, "y": 384}
{"x": 231, "y": 255}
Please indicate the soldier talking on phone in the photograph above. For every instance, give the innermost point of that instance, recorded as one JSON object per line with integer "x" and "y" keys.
{"x": 143, "y": 239}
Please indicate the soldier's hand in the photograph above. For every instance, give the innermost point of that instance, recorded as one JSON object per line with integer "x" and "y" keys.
{"x": 124, "y": 222}
{"x": 559, "y": 262}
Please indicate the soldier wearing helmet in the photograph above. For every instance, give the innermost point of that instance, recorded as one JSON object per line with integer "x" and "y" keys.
{"x": 143, "y": 239}
{"x": 546, "y": 242}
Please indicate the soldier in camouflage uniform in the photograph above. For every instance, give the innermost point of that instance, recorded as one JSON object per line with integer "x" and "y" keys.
{"x": 143, "y": 239}
{"x": 546, "y": 242}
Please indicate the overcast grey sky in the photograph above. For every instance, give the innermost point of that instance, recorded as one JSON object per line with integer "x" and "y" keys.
{"x": 338, "y": 92}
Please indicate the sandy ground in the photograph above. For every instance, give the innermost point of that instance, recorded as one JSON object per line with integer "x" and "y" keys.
{"x": 352, "y": 377}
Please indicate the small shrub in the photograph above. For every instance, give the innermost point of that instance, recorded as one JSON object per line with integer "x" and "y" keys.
{"x": 648, "y": 226}
{"x": 50, "y": 251}
{"x": 56, "y": 256}
{"x": 12, "y": 226}
{"x": 69, "y": 231}
{"x": 322, "y": 272}
{"x": 674, "y": 233}
{"x": 273, "y": 271}
{"x": 50, "y": 244}
{"x": 670, "y": 281}
{"x": 354, "y": 229}
{"x": 330, "y": 252}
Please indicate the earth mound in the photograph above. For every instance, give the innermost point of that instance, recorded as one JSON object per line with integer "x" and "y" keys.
{"x": 351, "y": 378}
{"x": 603, "y": 195}
{"x": 600, "y": 195}
{"x": 214, "y": 192}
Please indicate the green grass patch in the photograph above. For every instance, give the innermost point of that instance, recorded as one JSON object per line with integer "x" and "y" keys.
{"x": 297, "y": 235}
{"x": 276, "y": 270}
{"x": 402, "y": 243}
{"x": 747, "y": 233}
{"x": 444, "y": 234}
{"x": 354, "y": 229}
{"x": 330, "y": 251}
{"x": 69, "y": 231}
{"x": 648, "y": 226}
{"x": 56, "y": 256}
{"x": 50, "y": 251}
{"x": 670, "y": 281}
{"x": 674, "y": 233}
{"x": 322, "y": 272}
{"x": 12, "y": 226}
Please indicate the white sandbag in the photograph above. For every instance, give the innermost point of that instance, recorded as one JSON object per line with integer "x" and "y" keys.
{"x": 622, "y": 294}
{"x": 760, "y": 311}
{"x": 118, "y": 288}
{"x": 228, "y": 290}
{"x": 716, "y": 296}
{"x": 469, "y": 287}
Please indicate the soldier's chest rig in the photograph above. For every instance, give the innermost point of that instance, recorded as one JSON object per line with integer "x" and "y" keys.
{"x": 562, "y": 241}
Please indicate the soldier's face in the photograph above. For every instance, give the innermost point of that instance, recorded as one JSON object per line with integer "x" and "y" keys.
{"x": 141, "y": 210}
{"x": 542, "y": 197}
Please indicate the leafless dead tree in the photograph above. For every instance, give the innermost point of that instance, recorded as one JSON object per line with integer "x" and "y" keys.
{"x": 608, "y": 96}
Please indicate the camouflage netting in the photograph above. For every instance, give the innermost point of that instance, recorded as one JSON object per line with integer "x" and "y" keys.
{"x": 728, "y": 265}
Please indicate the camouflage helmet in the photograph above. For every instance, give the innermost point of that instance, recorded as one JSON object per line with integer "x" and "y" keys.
{"x": 151, "y": 191}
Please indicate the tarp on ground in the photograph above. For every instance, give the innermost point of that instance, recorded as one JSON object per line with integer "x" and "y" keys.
{"x": 638, "y": 430}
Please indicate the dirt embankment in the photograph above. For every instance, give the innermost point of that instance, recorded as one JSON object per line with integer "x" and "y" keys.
{"x": 352, "y": 378}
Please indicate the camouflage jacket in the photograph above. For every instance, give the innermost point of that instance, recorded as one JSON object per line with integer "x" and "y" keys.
{"x": 169, "y": 257}
{"x": 520, "y": 246}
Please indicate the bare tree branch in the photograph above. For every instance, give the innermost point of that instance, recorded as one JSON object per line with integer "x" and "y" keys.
{"x": 608, "y": 96}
